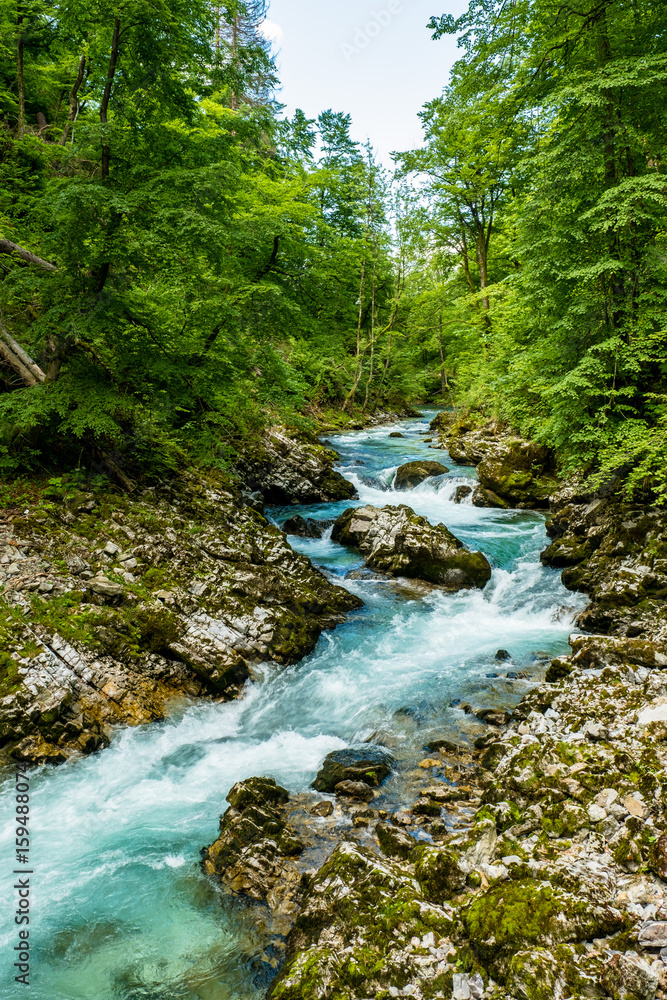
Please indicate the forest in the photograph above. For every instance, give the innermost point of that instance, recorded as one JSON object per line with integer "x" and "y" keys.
{"x": 182, "y": 263}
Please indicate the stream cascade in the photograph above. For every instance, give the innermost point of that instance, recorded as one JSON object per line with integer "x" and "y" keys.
{"x": 121, "y": 909}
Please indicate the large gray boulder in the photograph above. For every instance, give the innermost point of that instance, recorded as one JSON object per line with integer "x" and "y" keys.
{"x": 399, "y": 542}
{"x": 368, "y": 763}
{"x": 292, "y": 469}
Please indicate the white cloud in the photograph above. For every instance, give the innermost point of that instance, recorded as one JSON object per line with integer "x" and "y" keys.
{"x": 271, "y": 31}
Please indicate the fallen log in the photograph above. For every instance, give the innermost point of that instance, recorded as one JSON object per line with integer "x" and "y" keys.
{"x": 14, "y": 250}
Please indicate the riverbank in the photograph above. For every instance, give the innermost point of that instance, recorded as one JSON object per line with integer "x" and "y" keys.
{"x": 429, "y": 676}
{"x": 125, "y": 904}
{"x": 112, "y": 607}
{"x": 556, "y": 888}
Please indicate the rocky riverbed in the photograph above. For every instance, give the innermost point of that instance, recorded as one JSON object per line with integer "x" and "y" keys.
{"x": 518, "y": 854}
{"x": 544, "y": 873}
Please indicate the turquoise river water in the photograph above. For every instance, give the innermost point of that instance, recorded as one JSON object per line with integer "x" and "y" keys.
{"x": 120, "y": 909}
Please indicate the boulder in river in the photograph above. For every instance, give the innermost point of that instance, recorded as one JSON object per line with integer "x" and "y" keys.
{"x": 251, "y": 855}
{"x": 367, "y": 763}
{"x": 442, "y": 421}
{"x": 396, "y": 434}
{"x": 461, "y": 492}
{"x": 487, "y": 498}
{"x": 413, "y": 473}
{"x": 399, "y": 542}
{"x": 304, "y": 527}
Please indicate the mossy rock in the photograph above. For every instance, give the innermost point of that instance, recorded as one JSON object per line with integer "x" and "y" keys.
{"x": 514, "y": 916}
{"x": 557, "y": 670}
{"x": 520, "y": 472}
{"x": 482, "y": 497}
{"x": 371, "y": 904}
{"x": 568, "y": 551}
{"x": 442, "y": 421}
{"x": 399, "y": 542}
{"x": 438, "y": 873}
{"x": 256, "y": 791}
{"x": 394, "y": 842}
{"x": 367, "y": 763}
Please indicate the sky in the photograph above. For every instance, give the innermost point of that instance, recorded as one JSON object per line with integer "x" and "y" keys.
{"x": 374, "y": 60}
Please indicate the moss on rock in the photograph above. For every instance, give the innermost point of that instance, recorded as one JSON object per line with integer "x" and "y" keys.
{"x": 513, "y": 915}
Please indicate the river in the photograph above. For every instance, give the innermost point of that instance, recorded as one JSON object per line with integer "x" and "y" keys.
{"x": 120, "y": 909}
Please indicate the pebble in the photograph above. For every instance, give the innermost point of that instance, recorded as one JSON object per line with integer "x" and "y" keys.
{"x": 430, "y": 762}
{"x": 324, "y": 808}
{"x": 635, "y": 807}
{"x": 596, "y": 813}
{"x": 606, "y": 797}
{"x": 654, "y": 934}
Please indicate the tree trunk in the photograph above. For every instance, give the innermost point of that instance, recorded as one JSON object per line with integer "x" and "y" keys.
{"x": 384, "y": 370}
{"x": 13, "y": 249}
{"x": 358, "y": 355}
{"x": 483, "y": 272}
{"x": 19, "y": 75}
{"x": 443, "y": 372}
{"x": 370, "y": 371}
{"x": 106, "y": 96}
{"x": 19, "y": 360}
{"x": 466, "y": 261}
{"x": 235, "y": 49}
{"x": 73, "y": 102}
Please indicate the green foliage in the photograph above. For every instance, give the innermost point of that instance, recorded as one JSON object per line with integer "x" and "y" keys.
{"x": 207, "y": 262}
{"x": 545, "y": 215}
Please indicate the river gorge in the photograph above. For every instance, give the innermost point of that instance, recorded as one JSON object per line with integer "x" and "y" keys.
{"x": 121, "y": 908}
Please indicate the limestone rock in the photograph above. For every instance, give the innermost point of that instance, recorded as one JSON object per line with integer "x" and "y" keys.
{"x": 413, "y": 473}
{"x": 513, "y": 472}
{"x": 305, "y": 527}
{"x": 519, "y": 472}
{"x": 399, "y": 542}
{"x": 654, "y": 934}
{"x": 482, "y": 497}
{"x": 354, "y": 789}
{"x": 441, "y": 421}
{"x": 343, "y": 944}
{"x": 394, "y": 842}
{"x": 250, "y": 855}
{"x": 658, "y": 857}
{"x": 439, "y": 873}
{"x": 616, "y": 553}
{"x": 367, "y": 763}
{"x": 289, "y": 469}
{"x": 105, "y": 588}
{"x": 199, "y": 608}
{"x": 601, "y": 650}
{"x": 512, "y": 915}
